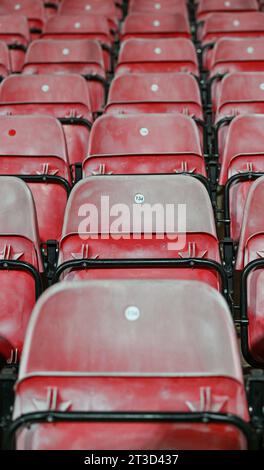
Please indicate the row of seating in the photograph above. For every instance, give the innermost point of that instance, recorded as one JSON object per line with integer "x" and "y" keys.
{"x": 79, "y": 195}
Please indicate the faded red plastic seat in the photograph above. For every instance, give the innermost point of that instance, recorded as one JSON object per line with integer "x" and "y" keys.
{"x": 86, "y": 236}
{"x": 157, "y": 55}
{"x": 5, "y": 65}
{"x": 250, "y": 259}
{"x": 20, "y": 264}
{"x": 114, "y": 324}
{"x": 145, "y": 143}
{"x": 106, "y": 8}
{"x": 229, "y": 25}
{"x": 243, "y": 156}
{"x": 32, "y": 9}
{"x": 155, "y": 93}
{"x": 63, "y": 96}
{"x": 14, "y": 31}
{"x": 154, "y": 26}
{"x": 239, "y": 93}
{"x": 84, "y": 57}
{"x": 81, "y": 27}
{"x": 42, "y": 162}
{"x": 235, "y": 55}
{"x": 238, "y": 25}
{"x": 162, "y": 6}
{"x": 207, "y": 7}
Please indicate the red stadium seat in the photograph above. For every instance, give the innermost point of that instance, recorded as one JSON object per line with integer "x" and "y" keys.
{"x": 207, "y": 7}
{"x": 243, "y": 156}
{"x": 14, "y": 31}
{"x": 239, "y": 25}
{"x": 85, "y": 237}
{"x": 20, "y": 264}
{"x": 157, "y": 55}
{"x": 155, "y": 93}
{"x": 155, "y": 26}
{"x": 81, "y": 27}
{"x": 106, "y": 8}
{"x": 5, "y": 65}
{"x": 234, "y": 55}
{"x": 145, "y": 143}
{"x": 42, "y": 162}
{"x": 250, "y": 258}
{"x": 240, "y": 93}
{"x": 63, "y": 96}
{"x": 32, "y": 9}
{"x": 87, "y": 366}
{"x": 84, "y": 57}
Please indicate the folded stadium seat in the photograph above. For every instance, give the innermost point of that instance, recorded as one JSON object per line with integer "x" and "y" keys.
{"x": 243, "y": 160}
{"x": 84, "y": 57}
{"x": 81, "y": 27}
{"x": 149, "y": 247}
{"x": 20, "y": 264}
{"x": 234, "y": 55}
{"x": 157, "y": 55}
{"x": 229, "y": 25}
{"x": 32, "y": 9}
{"x": 152, "y": 93}
{"x": 42, "y": 162}
{"x": 155, "y": 26}
{"x": 250, "y": 260}
{"x": 240, "y": 93}
{"x": 162, "y": 6}
{"x": 5, "y": 65}
{"x": 207, "y": 7}
{"x": 107, "y": 8}
{"x": 63, "y": 96}
{"x": 145, "y": 143}
{"x": 97, "y": 371}
{"x": 14, "y": 31}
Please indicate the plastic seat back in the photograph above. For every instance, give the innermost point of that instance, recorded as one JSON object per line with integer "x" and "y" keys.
{"x": 63, "y": 96}
{"x": 157, "y": 55}
{"x": 69, "y": 375}
{"x": 144, "y": 143}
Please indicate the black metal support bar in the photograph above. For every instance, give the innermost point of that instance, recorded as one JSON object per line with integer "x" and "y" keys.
{"x": 222, "y": 122}
{"x": 182, "y": 263}
{"x": 44, "y": 179}
{"x": 76, "y": 121}
{"x": 131, "y": 417}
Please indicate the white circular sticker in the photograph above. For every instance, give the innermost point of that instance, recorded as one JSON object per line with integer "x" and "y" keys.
{"x": 227, "y": 4}
{"x": 45, "y": 88}
{"x": 154, "y": 87}
{"x": 139, "y": 198}
{"x": 156, "y": 23}
{"x": 261, "y": 86}
{"x": 66, "y": 51}
{"x": 132, "y": 313}
{"x": 77, "y": 25}
{"x": 17, "y": 6}
{"x": 157, "y": 6}
{"x": 88, "y": 7}
{"x": 236, "y": 23}
{"x": 250, "y": 50}
{"x": 144, "y": 131}
{"x": 158, "y": 50}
